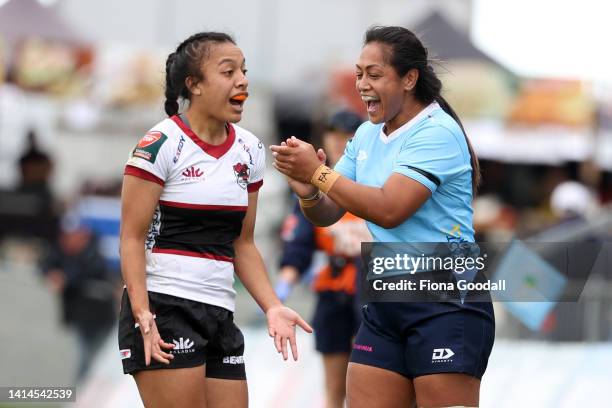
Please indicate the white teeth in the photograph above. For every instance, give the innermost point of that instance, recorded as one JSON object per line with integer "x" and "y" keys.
{"x": 367, "y": 98}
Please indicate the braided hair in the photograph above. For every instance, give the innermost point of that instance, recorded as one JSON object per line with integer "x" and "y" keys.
{"x": 406, "y": 53}
{"x": 185, "y": 62}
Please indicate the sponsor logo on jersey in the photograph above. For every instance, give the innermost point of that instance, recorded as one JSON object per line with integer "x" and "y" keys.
{"x": 442, "y": 355}
{"x": 179, "y": 149}
{"x": 182, "y": 346}
{"x": 233, "y": 360}
{"x": 192, "y": 174}
{"x": 149, "y": 146}
{"x": 125, "y": 353}
{"x": 242, "y": 172}
{"x": 362, "y": 155}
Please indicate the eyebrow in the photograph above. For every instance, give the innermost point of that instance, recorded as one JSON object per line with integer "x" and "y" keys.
{"x": 224, "y": 60}
{"x": 369, "y": 66}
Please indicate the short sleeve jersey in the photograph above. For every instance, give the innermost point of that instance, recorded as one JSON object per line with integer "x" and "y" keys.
{"x": 431, "y": 149}
{"x": 189, "y": 246}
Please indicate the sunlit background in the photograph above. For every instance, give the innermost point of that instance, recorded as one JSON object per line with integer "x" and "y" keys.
{"x": 82, "y": 81}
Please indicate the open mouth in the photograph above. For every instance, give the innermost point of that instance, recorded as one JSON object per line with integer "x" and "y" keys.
{"x": 372, "y": 103}
{"x": 238, "y": 100}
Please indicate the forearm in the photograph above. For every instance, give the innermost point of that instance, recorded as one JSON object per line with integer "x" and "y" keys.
{"x": 133, "y": 272}
{"x": 368, "y": 203}
{"x": 324, "y": 213}
{"x": 251, "y": 271}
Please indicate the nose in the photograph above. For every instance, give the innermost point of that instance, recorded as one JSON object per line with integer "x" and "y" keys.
{"x": 362, "y": 84}
{"x": 242, "y": 82}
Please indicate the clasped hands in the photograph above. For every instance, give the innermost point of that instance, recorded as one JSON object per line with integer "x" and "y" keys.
{"x": 298, "y": 161}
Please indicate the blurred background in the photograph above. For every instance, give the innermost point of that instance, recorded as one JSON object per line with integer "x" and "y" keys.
{"x": 82, "y": 81}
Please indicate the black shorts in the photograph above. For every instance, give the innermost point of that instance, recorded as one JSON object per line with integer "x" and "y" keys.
{"x": 202, "y": 334}
{"x": 415, "y": 339}
{"x": 335, "y": 322}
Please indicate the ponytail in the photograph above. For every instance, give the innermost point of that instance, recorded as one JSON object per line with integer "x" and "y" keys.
{"x": 171, "y": 105}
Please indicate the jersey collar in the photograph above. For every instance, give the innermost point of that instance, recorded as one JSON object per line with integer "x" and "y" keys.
{"x": 215, "y": 151}
{"x": 425, "y": 112}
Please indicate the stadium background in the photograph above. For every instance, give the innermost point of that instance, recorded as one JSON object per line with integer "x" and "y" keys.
{"x": 83, "y": 80}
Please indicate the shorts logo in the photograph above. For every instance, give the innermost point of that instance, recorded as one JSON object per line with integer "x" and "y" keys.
{"x": 125, "y": 353}
{"x": 233, "y": 360}
{"x": 182, "y": 346}
{"x": 442, "y": 355}
{"x": 242, "y": 172}
{"x": 149, "y": 146}
{"x": 363, "y": 347}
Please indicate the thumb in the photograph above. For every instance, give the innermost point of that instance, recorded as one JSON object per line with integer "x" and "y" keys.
{"x": 321, "y": 156}
{"x": 146, "y": 326}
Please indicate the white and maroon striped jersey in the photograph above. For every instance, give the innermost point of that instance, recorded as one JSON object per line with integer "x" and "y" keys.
{"x": 189, "y": 247}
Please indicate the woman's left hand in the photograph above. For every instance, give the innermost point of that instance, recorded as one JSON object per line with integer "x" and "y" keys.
{"x": 281, "y": 325}
{"x": 296, "y": 159}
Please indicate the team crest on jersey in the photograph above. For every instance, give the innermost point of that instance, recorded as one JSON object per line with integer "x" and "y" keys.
{"x": 242, "y": 172}
{"x": 149, "y": 146}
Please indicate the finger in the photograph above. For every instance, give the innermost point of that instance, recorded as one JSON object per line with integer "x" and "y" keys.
{"x": 163, "y": 356}
{"x": 159, "y": 356}
{"x": 147, "y": 350}
{"x": 321, "y": 155}
{"x": 284, "y": 348}
{"x": 293, "y": 344}
{"x": 283, "y": 144}
{"x": 282, "y": 168}
{"x": 271, "y": 332}
{"x": 165, "y": 345}
{"x": 302, "y": 323}
{"x": 280, "y": 149}
{"x": 277, "y": 343}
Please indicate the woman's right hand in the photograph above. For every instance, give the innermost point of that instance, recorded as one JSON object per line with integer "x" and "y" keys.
{"x": 303, "y": 190}
{"x": 153, "y": 343}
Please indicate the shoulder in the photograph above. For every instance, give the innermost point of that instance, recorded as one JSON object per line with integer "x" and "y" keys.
{"x": 247, "y": 137}
{"x": 365, "y": 130}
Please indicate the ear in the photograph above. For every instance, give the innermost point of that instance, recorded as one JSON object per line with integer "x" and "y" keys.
{"x": 193, "y": 85}
{"x": 410, "y": 79}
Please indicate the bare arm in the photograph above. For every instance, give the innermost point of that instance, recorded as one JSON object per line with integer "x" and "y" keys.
{"x": 139, "y": 199}
{"x": 248, "y": 263}
{"x": 250, "y": 268}
{"x": 387, "y": 206}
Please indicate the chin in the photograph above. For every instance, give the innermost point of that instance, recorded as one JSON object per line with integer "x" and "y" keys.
{"x": 234, "y": 118}
{"x": 376, "y": 120}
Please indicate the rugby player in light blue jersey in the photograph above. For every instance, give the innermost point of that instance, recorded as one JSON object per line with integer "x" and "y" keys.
{"x": 411, "y": 173}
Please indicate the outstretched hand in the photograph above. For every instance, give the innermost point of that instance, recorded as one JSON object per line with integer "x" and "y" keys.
{"x": 281, "y": 326}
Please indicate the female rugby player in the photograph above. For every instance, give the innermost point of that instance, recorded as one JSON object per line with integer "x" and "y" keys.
{"x": 188, "y": 213}
{"x": 410, "y": 172}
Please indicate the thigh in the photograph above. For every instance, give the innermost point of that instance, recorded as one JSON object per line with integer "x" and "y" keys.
{"x": 374, "y": 387}
{"x": 169, "y": 388}
{"x": 335, "y": 365}
{"x": 222, "y": 393}
{"x": 445, "y": 390}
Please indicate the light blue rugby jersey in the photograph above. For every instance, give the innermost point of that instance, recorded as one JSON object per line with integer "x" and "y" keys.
{"x": 431, "y": 144}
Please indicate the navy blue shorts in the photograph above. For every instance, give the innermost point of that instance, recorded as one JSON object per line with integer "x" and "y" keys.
{"x": 335, "y": 322}
{"x": 415, "y": 339}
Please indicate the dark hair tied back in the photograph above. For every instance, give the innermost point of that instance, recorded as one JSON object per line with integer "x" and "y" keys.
{"x": 406, "y": 52}
{"x": 185, "y": 62}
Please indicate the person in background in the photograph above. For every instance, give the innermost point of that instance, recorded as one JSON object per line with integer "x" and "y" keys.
{"x": 337, "y": 316}
{"x": 75, "y": 269}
